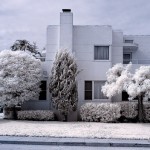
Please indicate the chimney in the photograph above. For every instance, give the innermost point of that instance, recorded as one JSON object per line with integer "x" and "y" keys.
{"x": 66, "y": 10}
{"x": 66, "y": 29}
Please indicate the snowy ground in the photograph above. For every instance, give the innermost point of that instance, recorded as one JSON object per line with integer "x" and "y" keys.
{"x": 75, "y": 129}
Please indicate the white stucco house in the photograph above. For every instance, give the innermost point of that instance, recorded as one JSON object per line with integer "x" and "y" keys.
{"x": 96, "y": 48}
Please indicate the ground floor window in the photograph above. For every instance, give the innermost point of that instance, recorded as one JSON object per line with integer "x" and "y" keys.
{"x": 93, "y": 90}
{"x": 125, "y": 96}
{"x": 43, "y": 87}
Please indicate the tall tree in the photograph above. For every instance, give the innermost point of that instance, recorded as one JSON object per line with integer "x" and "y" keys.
{"x": 137, "y": 85}
{"x": 20, "y": 76}
{"x": 24, "y": 45}
{"x": 63, "y": 86}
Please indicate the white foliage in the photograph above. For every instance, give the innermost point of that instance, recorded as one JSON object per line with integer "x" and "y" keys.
{"x": 118, "y": 78}
{"x": 101, "y": 112}
{"x": 140, "y": 83}
{"x": 44, "y": 115}
{"x": 20, "y": 76}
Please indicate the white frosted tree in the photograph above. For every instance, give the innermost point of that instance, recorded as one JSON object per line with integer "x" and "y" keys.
{"x": 20, "y": 76}
{"x": 139, "y": 86}
{"x": 120, "y": 79}
{"x": 63, "y": 85}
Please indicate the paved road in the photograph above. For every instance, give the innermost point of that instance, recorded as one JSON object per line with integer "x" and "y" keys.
{"x": 43, "y": 147}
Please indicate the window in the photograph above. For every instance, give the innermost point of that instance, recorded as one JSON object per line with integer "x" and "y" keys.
{"x": 43, "y": 90}
{"x": 101, "y": 53}
{"x": 128, "y": 41}
{"x": 88, "y": 90}
{"x": 97, "y": 90}
{"x": 93, "y": 90}
{"x": 127, "y": 58}
{"x": 125, "y": 96}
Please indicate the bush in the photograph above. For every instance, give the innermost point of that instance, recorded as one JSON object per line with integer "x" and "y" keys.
{"x": 147, "y": 111}
{"x": 41, "y": 115}
{"x": 129, "y": 109}
{"x": 100, "y": 112}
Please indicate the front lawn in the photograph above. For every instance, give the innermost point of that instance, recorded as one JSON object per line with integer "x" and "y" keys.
{"x": 75, "y": 129}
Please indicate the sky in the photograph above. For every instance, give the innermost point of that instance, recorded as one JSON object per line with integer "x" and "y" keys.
{"x": 28, "y": 19}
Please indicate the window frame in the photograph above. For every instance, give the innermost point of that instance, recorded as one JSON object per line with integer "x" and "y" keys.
{"x": 93, "y": 99}
{"x": 124, "y": 53}
{"x": 102, "y": 59}
{"x": 87, "y": 90}
{"x": 43, "y": 91}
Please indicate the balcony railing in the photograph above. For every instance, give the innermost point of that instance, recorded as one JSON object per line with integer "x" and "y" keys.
{"x": 131, "y": 46}
{"x": 136, "y": 61}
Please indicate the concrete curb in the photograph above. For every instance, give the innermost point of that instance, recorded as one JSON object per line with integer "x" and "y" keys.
{"x": 75, "y": 143}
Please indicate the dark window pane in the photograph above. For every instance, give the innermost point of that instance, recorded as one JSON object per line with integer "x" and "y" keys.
{"x": 42, "y": 95}
{"x": 125, "y": 96}
{"x": 128, "y": 41}
{"x": 43, "y": 90}
{"x": 88, "y": 85}
{"x": 88, "y": 90}
{"x": 43, "y": 85}
{"x": 88, "y": 95}
{"x": 127, "y": 58}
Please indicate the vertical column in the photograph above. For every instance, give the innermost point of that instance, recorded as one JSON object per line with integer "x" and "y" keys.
{"x": 66, "y": 29}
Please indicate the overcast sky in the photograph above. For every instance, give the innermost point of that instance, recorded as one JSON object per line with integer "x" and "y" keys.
{"x": 28, "y": 19}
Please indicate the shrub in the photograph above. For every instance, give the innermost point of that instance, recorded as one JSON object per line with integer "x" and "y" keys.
{"x": 100, "y": 112}
{"x": 41, "y": 115}
{"x": 147, "y": 111}
{"x": 129, "y": 109}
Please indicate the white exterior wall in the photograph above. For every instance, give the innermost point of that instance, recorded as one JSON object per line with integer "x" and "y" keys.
{"x": 117, "y": 47}
{"x": 84, "y": 40}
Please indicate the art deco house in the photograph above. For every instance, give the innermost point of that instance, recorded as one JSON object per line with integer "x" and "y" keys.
{"x": 96, "y": 48}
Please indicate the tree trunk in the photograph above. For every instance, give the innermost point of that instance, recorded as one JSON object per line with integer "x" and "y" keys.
{"x": 141, "y": 115}
{"x": 10, "y": 113}
{"x": 65, "y": 118}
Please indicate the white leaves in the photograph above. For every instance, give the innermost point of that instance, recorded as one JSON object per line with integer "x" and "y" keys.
{"x": 20, "y": 75}
{"x": 119, "y": 78}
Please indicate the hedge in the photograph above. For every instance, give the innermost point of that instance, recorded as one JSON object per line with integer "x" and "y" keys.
{"x": 39, "y": 115}
{"x": 112, "y": 112}
{"x": 100, "y": 112}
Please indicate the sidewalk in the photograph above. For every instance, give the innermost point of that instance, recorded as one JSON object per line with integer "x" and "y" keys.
{"x": 73, "y": 141}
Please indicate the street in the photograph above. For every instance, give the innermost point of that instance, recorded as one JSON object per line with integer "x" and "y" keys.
{"x": 47, "y": 147}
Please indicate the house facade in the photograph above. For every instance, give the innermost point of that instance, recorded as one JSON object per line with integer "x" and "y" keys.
{"x": 96, "y": 48}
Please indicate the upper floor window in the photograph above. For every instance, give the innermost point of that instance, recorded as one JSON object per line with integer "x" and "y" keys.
{"x": 127, "y": 58}
{"x": 128, "y": 41}
{"x": 101, "y": 53}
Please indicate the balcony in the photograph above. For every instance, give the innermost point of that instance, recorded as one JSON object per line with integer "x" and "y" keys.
{"x": 137, "y": 61}
{"x": 130, "y": 46}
